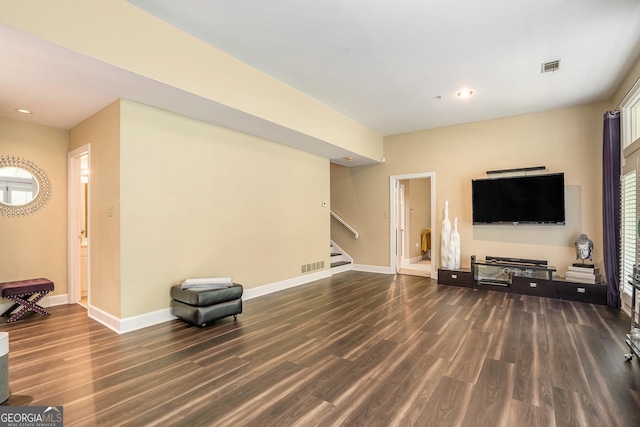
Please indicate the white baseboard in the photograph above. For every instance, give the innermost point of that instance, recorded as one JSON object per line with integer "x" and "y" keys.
{"x": 148, "y": 319}
{"x": 284, "y": 284}
{"x": 372, "y": 269}
{"x": 410, "y": 261}
{"x": 108, "y": 320}
{"x": 341, "y": 269}
{"x": 53, "y": 300}
{"x": 129, "y": 324}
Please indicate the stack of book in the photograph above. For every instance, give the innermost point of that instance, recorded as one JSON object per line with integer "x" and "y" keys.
{"x": 583, "y": 274}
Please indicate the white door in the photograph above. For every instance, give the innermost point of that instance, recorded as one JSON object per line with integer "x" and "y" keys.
{"x": 397, "y": 220}
{"x": 401, "y": 228}
{"x": 78, "y": 225}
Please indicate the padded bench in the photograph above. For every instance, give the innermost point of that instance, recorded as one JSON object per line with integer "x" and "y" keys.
{"x": 201, "y": 306}
{"x": 20, "y": 292}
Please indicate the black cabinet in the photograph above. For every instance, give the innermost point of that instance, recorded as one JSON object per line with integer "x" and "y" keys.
{"x": 459, "y": 277}
{"x": 582, "y": 292}
{"x": 534, "y": 286}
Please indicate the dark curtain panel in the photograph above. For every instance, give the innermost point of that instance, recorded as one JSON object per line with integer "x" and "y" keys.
{"x": 611, "y": 171}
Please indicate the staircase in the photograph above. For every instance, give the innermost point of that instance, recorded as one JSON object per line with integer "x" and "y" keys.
{"x": 340, "y": 261}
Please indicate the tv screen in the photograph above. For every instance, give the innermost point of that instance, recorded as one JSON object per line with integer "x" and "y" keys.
{"x": 534, "y": 199}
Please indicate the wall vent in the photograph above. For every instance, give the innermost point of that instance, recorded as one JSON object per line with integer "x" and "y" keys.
{"x": 549, "y": 67}
{"x": 318, "y": 265}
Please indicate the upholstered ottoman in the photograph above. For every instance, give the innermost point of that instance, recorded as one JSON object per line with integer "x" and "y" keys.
{"x": 21, "y": 293}
{"x": 201, "y": 306}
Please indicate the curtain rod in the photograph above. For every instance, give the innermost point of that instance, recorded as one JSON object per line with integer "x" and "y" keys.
{"x": 628, "y": 92}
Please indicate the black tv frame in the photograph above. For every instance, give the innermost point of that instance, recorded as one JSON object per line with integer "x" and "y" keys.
{"x": 519, "y": 200}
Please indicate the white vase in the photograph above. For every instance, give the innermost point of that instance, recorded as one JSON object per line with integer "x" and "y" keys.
{"x": 445, "y": 237}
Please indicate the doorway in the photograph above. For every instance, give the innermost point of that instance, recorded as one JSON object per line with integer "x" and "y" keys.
{"x": 412, "y": 222}
{"x": 78, "y": 226}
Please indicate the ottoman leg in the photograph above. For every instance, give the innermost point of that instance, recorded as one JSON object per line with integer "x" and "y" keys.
{"x": 27, "y": 305}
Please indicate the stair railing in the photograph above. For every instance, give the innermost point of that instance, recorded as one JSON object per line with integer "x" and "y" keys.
{"x": 343, "y": 222}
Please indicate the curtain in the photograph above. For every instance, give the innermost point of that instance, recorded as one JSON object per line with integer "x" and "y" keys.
{"x": 611, "y": 170}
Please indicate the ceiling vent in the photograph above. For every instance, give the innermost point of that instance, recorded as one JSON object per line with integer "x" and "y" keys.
{"x": 552, "y": 66}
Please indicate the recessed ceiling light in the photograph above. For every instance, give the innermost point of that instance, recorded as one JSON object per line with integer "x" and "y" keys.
{"x": 23, "y": 111}
{"x": 465, "y": 93}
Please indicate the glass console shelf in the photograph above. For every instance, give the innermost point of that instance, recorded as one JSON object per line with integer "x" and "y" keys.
{"x": 500, "y": 273}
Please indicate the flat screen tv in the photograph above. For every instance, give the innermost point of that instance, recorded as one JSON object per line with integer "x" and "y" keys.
{"x": 533, "y": 199}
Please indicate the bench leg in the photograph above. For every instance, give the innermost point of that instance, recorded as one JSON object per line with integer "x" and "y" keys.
{"x": 10, "y": 309}
{"x": 27, "y": 305}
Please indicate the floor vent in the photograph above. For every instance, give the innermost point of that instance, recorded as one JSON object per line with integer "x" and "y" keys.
{"x": 313, "y": 266}
{"x": 549, "y": 67}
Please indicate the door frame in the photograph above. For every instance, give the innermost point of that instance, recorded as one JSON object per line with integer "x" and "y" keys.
{"x": 402, "y": 226}
{"x": 73, "y": 223}
{"x": 394, "y": 222}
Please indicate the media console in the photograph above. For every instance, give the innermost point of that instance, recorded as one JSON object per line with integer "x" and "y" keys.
{"x": 518, "y": 276}
{"x": 500, "y": 271}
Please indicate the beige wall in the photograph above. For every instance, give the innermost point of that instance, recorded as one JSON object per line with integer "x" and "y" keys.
{"x": 102, "y": 132}
{"x": 198, "y": 200}
{"x": 119, "y": 33}
{"x": 36, "y": 245}
{"x": 567, "y": 140}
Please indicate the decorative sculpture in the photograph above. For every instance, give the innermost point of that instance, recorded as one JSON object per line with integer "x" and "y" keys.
{"x": 445, "y": 237}
{"x": 454, "y": 246}
{"x": 584, "y": 248}
{"x": 449, "y": 241}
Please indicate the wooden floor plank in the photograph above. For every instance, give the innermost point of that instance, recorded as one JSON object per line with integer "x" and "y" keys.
{"x": 447, "y": 404}
{"x": 353, "y": 349}
{"x": 533, "y": 382}
{"x": 522, "y": 414}
{"x": 566, "y": 373}
{"x": 489, "y": 405}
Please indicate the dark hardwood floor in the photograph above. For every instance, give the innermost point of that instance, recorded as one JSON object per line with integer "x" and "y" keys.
{"x": 357, "y": 349}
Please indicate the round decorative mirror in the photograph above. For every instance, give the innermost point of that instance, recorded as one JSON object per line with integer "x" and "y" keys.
{"x": 24, "y": 187}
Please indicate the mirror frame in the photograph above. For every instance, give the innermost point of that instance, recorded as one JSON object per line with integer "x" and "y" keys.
{"x": 44, "y": 188}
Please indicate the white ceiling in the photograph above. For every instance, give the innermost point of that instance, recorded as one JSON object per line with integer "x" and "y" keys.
{"x": 384, "y": 62}
{"x": 379, "y": 62}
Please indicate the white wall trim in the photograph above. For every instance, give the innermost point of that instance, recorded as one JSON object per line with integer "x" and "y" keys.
{"x": 373, "y": 269}
{"x": 129, "y": 324}
{"x": 144, "y": 320}
{"x": 284, "y": 284}
{"x": 341, "y": 269}
{"x": 411, "y": 260}
{"x": 104, "y": 318}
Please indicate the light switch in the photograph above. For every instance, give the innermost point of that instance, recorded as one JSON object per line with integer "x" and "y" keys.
{"x": 109, "y": 210}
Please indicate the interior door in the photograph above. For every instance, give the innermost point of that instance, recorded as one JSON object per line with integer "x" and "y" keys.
{"x": 78, "y": 226}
